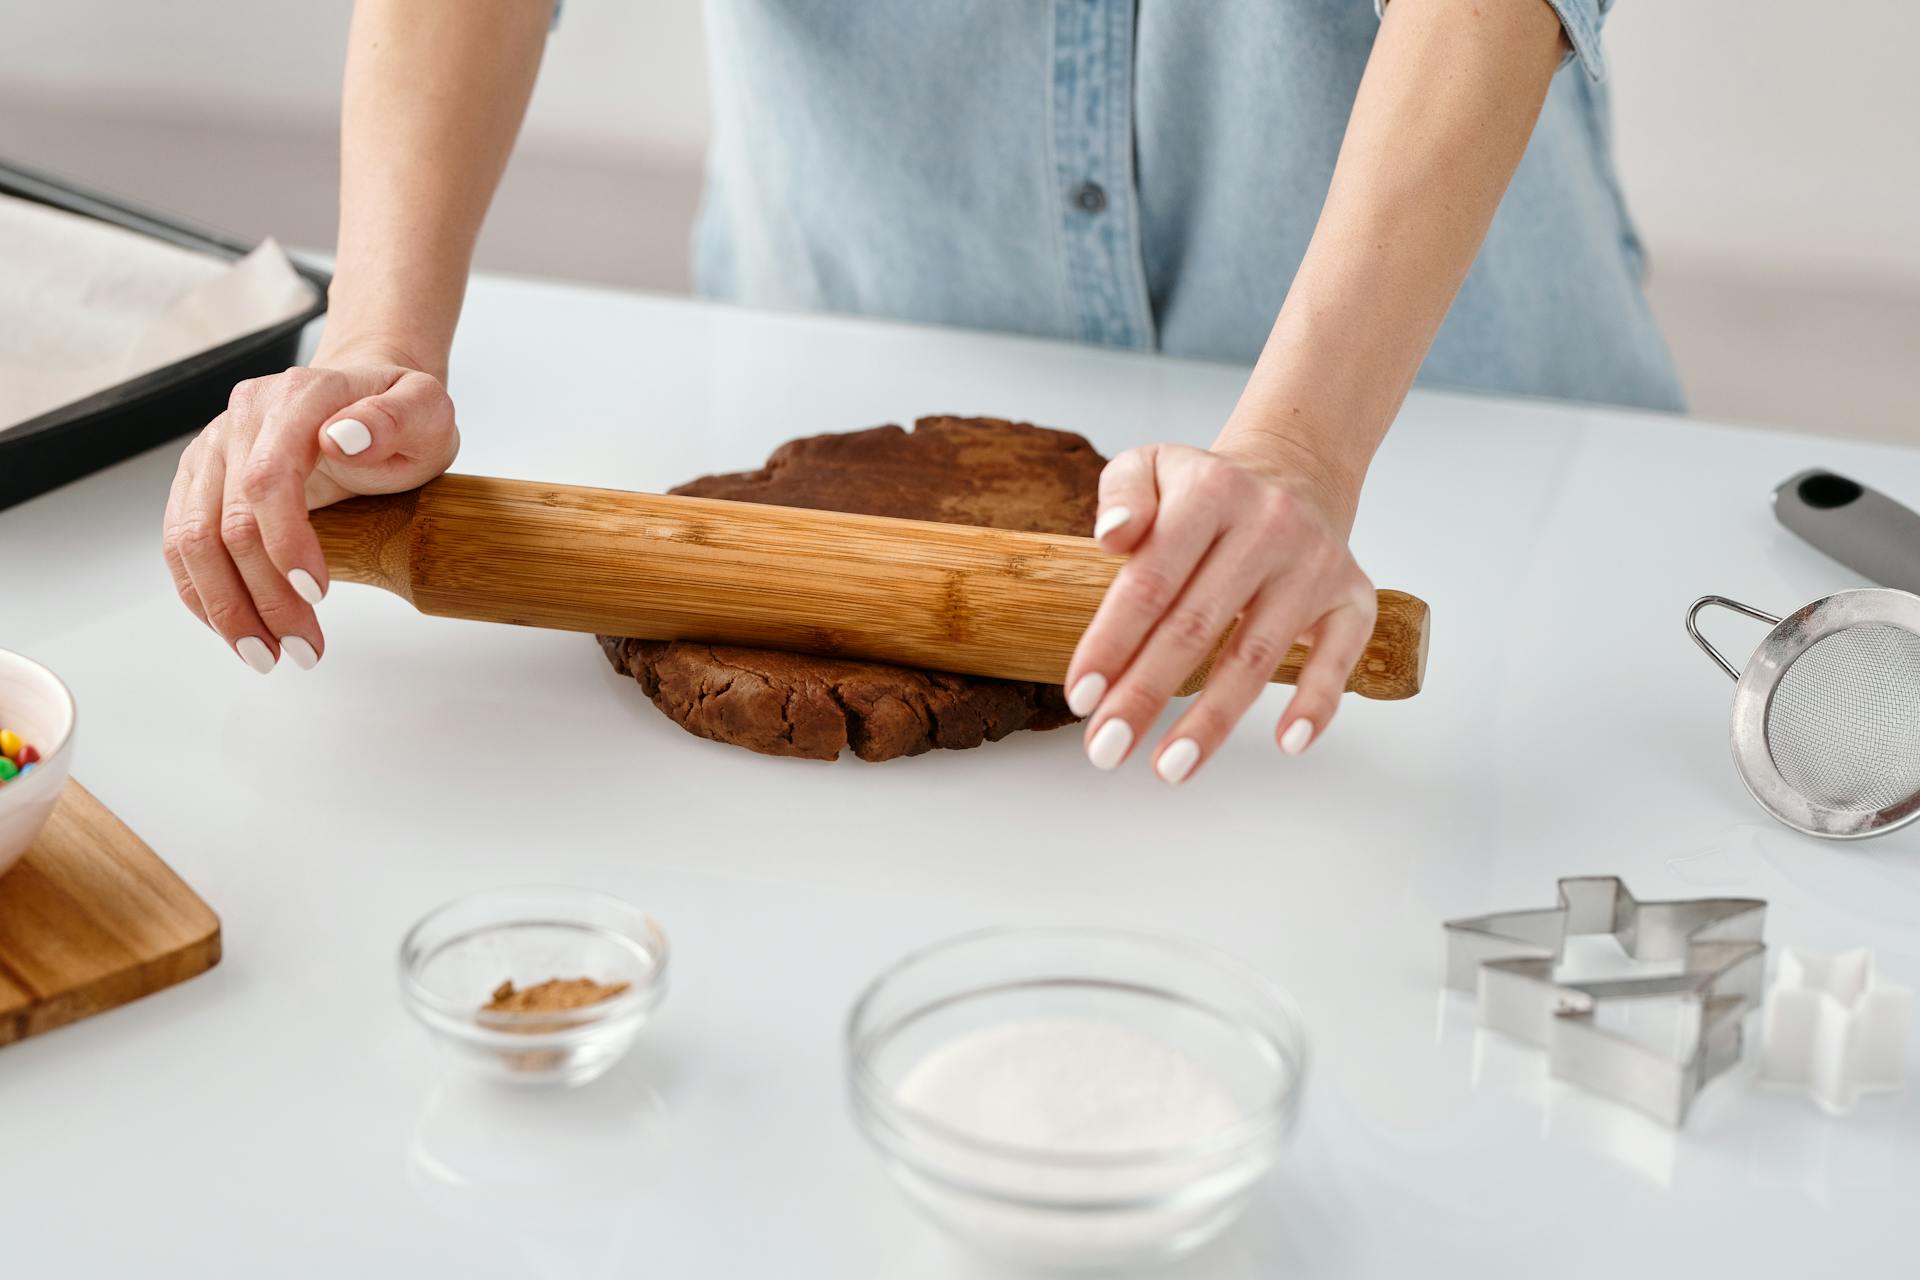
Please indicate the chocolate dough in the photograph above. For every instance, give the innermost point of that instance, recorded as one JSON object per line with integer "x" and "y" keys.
{"x": 983, "y": 471}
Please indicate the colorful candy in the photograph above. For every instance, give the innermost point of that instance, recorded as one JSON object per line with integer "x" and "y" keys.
{"x": 17, "y": 756}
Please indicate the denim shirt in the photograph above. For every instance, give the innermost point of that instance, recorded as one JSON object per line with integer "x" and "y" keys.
{"x": 1137, "y": 173}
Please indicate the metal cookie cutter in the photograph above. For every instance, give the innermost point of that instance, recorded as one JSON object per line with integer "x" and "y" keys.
{"x": 1509, "y": 959}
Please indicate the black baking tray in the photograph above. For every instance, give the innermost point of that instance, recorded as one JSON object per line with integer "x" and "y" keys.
{"x": 80, "y": 438}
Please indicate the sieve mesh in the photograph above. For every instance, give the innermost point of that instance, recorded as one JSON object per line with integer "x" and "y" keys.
{"x": 1843, "y": 725}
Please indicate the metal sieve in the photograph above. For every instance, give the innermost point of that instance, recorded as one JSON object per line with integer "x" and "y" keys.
{"x": 1826, "y": 716}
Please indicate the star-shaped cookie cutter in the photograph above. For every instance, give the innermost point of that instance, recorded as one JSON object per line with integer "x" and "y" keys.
{"x": 1509, "y": 958}
{"x": 1834, "y": 1028}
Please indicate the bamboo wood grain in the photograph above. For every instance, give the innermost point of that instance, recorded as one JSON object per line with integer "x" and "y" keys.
{"x": 91, "y": 918}
{"x": 947, "y": 597}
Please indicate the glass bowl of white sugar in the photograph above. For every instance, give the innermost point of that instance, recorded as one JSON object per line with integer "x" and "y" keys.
{"x": 1073, "y": 1097}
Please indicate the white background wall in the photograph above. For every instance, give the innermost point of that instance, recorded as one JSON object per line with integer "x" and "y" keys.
{"x": 620, "y": 75}
{"x": 1768, "y": 148}
{"x": 1773, "y": 132}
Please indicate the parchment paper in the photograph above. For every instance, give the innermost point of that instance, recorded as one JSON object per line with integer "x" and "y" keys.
{"x": 85, "y": 305}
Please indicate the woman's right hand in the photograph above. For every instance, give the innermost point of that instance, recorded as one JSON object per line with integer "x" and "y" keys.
{"x": 243, "y": 555}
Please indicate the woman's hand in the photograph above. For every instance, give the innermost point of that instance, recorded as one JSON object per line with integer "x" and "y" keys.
{"x": 1234, "y": 532}
{"x": 1257, "y": 528}
{"x": 243, "y": 555}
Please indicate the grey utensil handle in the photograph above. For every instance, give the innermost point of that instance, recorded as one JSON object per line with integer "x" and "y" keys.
{"x": 1863, "y": 529}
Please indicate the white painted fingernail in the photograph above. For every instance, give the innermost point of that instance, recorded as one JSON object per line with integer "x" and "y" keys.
{"x": 1297, "y": 736}
{"x": 352, "y": 437}
{"x": 300, "y": 651}
{"x": 254, "y": 652}
{"x": 1177, "y": 761}
{"x": 1110, "y": 519}
{"x": 1110, "y": 744}
{"x": 304, "y": 586}
{"x": 1086, "y": 694}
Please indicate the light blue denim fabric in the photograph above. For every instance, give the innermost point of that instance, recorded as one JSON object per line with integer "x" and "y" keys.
{"x": 1139, "y": 173}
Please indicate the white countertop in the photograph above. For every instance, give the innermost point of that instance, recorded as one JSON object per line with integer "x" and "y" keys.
{"x": 282, "y": 1115}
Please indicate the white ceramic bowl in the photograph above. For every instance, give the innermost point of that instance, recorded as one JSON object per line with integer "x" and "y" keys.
{"x": 37, "y": 706}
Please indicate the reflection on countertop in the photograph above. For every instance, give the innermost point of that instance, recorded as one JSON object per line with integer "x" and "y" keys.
{"x": 560, "y": 1176}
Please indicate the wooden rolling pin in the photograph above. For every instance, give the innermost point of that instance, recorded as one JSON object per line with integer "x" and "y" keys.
{"x": 947, "y": 597}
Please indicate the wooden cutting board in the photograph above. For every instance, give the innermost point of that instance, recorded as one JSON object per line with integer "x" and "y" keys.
{"x": 90, "y": 919}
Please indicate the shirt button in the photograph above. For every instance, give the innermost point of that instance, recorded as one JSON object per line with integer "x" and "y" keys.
{"x": 1089, "y": 197}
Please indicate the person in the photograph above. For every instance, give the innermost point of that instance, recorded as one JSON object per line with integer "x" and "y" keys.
{"x": 1340, "y": 195}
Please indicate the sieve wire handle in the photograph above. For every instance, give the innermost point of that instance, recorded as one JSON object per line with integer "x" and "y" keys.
{"x": 1706, "y": 645}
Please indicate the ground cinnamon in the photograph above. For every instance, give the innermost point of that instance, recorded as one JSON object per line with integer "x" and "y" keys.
{"x": 555, "y": 995}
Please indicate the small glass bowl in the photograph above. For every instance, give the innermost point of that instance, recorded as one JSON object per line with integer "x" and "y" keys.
{"x": 1079, "y": 1209}
{"x": 457, "y": 955}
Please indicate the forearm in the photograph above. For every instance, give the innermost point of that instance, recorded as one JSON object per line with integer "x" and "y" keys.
{"x": 1443, "y": 114}
{"x": 434, "y": 95}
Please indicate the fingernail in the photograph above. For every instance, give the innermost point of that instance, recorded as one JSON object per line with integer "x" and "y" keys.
{"x": 1110, "y": 744}
{"x": 1297, "y": 736}
{"x": 1086, "y": 694}
{"x": 352, "y": 437}
{"x": 1177, "y": 761}
{"x": 1110, "y": 519}
{"x": 300, "y": 651}
{"x": 254, "y": 652}
{"x": 304, "y": 586}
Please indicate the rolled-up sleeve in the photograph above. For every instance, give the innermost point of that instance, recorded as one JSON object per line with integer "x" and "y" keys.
{"x": 1581, "y": 20}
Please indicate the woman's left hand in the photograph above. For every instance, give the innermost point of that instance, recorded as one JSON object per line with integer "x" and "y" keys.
{"x": 1243, "y": 531}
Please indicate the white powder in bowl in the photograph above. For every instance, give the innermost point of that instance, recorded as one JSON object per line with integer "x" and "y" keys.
{"x": 1068, "y": 1085}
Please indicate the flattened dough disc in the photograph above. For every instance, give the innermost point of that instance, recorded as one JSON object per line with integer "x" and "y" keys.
{"x": 983, "y": 471}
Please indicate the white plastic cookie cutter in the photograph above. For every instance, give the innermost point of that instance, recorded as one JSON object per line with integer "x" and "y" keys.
{"x": 1509, "y": 959}
{"x": 1834, "y": 1028}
